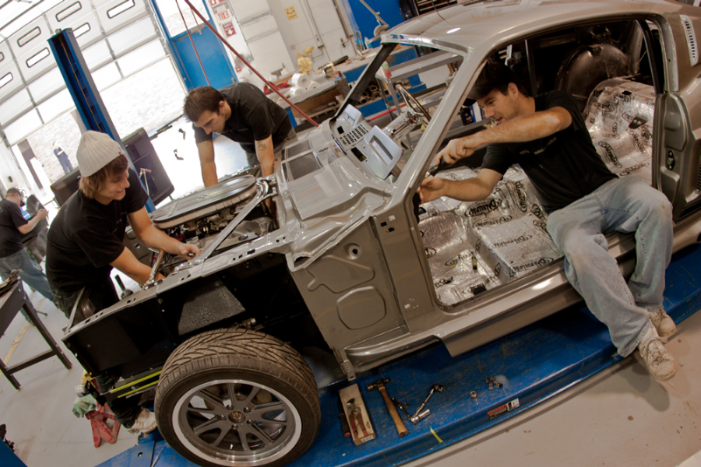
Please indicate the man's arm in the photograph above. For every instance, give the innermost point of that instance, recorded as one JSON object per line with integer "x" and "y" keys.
{"x": 41, "y": 214}
{"x": 472, "y": 189}
{"x": 155, "y": 238}
{"x": 266, "y": 155}
{"x": 518, "y": 130}
{"x": 132, "y": 267}
{"x": 209, "y": 168}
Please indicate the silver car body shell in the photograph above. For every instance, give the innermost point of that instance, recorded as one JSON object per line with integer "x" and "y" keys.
{"x": 420, "y": 319}
{"x": 360, "y": 263}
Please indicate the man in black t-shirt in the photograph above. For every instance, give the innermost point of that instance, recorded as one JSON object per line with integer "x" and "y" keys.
{"x": 12, "y": 252}
{"x": 242, "y": 113}
{"x": 85, "y": 242}
{"x": 547, "y": 137}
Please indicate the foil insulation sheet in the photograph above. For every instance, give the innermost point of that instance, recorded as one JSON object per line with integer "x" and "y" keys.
{"x": 619, "y": 115}
{"x": 475, "y": 246}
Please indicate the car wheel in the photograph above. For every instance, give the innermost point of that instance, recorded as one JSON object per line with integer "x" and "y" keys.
{"x": 237, "y": 397}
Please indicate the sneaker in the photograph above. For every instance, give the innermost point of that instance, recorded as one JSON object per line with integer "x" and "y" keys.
{"x": 145, "y": 423}
{"x": 663, "y": 323}
{"x": 659, "y": 362}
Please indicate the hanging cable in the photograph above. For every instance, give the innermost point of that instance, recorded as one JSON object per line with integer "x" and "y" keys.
{"x": 177, "y": 2}
{"x": 268, "y": 83}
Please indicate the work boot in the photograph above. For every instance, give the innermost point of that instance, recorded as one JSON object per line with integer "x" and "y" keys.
{"x": 663, "y": 323}
{"x": 659, "y": 362}
{"x": 145, "y": 423}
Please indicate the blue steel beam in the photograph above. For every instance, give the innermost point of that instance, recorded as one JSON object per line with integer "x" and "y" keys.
{"x": 85, "y": 95}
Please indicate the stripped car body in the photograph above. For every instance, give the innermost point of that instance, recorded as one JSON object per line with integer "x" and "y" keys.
{"x": 348, "y": 261}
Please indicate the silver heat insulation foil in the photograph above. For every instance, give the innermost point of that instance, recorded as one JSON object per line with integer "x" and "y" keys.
{"x": 475, "y": 246}
{"x": 619, "y": 115}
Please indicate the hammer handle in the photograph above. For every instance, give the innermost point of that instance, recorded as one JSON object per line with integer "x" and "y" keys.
{"x": 401, "y": 429}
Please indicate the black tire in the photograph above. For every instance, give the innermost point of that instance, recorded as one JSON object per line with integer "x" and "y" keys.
{"x": 198, "y": 416}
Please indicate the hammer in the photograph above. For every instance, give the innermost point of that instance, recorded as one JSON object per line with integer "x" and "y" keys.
{"x": 380, "y": 385}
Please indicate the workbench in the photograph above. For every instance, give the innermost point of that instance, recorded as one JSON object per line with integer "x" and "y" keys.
{"x": 10, "y": 304}
{"x": 534, "y": 364}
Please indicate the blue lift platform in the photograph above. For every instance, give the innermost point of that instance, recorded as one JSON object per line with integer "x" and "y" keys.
{"x": 535, "y": 364}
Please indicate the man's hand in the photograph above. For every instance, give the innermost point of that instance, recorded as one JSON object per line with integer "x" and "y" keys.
{"x": 42, "y": 213}
{"x": 458, "y": 149}
{"x": 431, "y": 188}
{"x": 188, "y": 250}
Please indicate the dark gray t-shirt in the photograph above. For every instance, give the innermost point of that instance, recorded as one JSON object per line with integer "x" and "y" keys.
{"x": 254, "y": 117}
{"x": 10, "y": 219}
{"x": 87, "y": 236}
{"x": 563, "y": 167}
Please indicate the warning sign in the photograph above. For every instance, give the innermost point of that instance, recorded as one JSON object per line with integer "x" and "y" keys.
{"x": 291, "y": 13}
{"x": 508, "y": 407}
{"x": 214, "y": 3}
{"x": 228, "y": 29}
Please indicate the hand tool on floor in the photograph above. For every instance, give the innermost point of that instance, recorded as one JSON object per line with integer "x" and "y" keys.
{"x": 359, "y": 426}
{"x": 380, "y": 385}
{"x": 356, "y": 418}
{"x": 435, "y": 388}
{"x": 414, "y": 419}
{"x": 342, "y": 417}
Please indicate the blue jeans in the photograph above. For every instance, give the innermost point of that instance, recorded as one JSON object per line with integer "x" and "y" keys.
{"x": 625, "y": 205}
{"x": 65, "y": 163}
{"x": 31, "y": 273}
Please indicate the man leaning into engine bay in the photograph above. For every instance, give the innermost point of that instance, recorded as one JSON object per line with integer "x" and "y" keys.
{"x": 86, "y": 240}
{"x": 242, "y": 113}
{"x": 546, "y": 135}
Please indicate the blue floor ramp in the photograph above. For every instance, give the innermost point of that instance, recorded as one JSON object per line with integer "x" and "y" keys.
{"x": 534, "y": 364}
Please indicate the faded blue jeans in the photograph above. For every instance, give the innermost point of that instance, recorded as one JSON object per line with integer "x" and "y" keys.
{"x": 627, "y": 205}
{"x": 31, "y": 272}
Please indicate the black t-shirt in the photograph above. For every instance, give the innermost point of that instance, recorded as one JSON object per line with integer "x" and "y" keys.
{"x": 254, "y": 117}
{"x": 563, "y": 167}
{"x": 10, "y": 218}
{"x": 86, "y": 236}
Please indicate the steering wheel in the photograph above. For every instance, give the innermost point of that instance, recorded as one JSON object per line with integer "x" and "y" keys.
{"x": 412, "y": 103}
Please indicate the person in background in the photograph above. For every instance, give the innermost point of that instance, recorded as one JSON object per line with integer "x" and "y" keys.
{"x": 12, "y": 252}
{"x": 62, "y": 159}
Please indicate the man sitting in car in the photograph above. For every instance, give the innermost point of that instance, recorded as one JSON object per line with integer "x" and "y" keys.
{"x": 546, "y": 135}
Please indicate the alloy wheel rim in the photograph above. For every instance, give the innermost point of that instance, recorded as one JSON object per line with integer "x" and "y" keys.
{"x": 236, "y": 421}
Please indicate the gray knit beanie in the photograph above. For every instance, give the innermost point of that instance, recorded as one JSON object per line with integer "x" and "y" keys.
{"x": 95, "y": 151}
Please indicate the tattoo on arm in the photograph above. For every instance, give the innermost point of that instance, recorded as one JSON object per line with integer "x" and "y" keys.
{"x": 262, "y": 146}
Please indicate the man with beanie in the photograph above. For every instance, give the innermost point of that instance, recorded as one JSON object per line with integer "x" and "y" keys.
{"x": 242, "y": 113}
{"x": 85, "y": 242}
{"x": 546, "y": 135}
{"x": 12, "y": 252}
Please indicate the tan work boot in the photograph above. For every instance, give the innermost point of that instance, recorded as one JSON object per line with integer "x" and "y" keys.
{"x": 145, "y": 423}
{"x": 663, "y": 323}
{"x": 659, "y": 362}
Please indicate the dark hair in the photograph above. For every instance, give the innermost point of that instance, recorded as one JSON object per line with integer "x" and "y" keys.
{"x": 504, "y": 89}
{"x": 14, "y": 191}
{"x": 201, "y": 99}
{"x": 95, "y": 182}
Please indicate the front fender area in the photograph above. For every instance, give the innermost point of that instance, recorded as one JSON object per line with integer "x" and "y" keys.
{"x": 125, "y": 341}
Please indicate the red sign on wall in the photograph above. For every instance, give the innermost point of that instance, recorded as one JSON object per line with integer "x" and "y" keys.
{"x": 214, "y": 3}
{"x": 223, "y": 15}
{"x": 228, "y": 29}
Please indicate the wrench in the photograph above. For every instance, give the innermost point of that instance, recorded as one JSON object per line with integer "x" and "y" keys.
{"x": 434, "y": 388}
